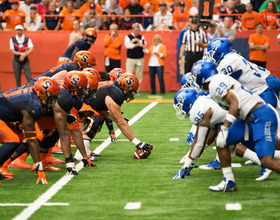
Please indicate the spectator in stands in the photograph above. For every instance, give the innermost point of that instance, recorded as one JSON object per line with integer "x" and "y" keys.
{"x": 33, "y": 21}
{"x": 104, "y": 22}
{"x": 134, "y": 7}
{"x": 4, "y": 5}
{"x": 240, "y": 7}
{"x": 146, "y": 22}
{"x": 77, "y": 3}
{"x": 268, "y": 16}
{"x": 264, "y": 5}
{"x": 113, "y": 7}
{"x": 113, "y": 20}
{"x": 163, "y": 19}
{"x": 91, "y": 18}
{"x": 214, "y": 31}
{"x": 68, "y": 15}
{"x": 228, "y": 32}
{"x": 75, "y": 34}
{"x": 158, "y": 53}
{"x": 127, "y": 21}
{"x": 175, "y": 6}
{"x": 258, "y": 43}
{"x": 13, "y": 16}
{"x": 85, "y": 7}
{"x": 124, "y": 3}
{"x": 217, "y": 6}
{"x": 21, "y": 47}
{"x": 26, "y": 6}
{"x": 250, "y": 18}
{"x": 256, "y": 4}
{"x": 154, "y": 5}
{"x": 230, "y": 9}
{"x": 51, "y": 23}
{"x": 43, "y": 7}
{"x": 194, "y": 10}
{"x": 180, "y": 17}
{"x": 134, "y": 43}
{"x": 113, "y": 43}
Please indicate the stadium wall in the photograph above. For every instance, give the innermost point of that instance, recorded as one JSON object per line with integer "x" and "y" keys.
{"x": 48, "y": 46}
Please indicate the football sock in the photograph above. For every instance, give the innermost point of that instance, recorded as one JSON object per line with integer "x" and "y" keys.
{"x": 277, "y": 154}
{"x": 228, "y": 174}
{"x": 109, "y": 124}
{"x": 251, "y": 155}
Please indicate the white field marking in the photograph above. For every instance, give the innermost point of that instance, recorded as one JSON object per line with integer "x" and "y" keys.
{"x": 33, "y": 207}
{"x": 233, "y": 206}
{"x": 155, "y": 97}
{"x": 133, "y": 205}
{"x": 106, "y": 139}
{"x": 174, "y": 139}
{"x": 236, "y": 165}
{"x": 27, "y": 204}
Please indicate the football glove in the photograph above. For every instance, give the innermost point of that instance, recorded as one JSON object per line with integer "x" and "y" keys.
{"x": 71, "y": 169}
{"x": 89, "y": 163}
{"x": 42, "y": 177}
{"x": 86, "y": 113}
{"x": 113, "y": 136}
{"x": 144, "y": 146}
{"x": 71, "y": 119}
{"x": 222, "y": 137}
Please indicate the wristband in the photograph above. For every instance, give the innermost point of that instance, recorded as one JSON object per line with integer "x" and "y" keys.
{"x": 135, "y": 141}
{"x": 40, "y": 166}
{"x": 230, "y": 118}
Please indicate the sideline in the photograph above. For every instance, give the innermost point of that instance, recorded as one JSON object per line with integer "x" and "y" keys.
{"x": 33, "y": 207}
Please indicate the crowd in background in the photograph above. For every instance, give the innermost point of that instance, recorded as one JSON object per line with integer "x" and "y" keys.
{"x": 150, "y": 14}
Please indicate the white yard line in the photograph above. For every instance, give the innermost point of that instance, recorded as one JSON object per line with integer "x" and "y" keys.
{"x": 33, "y": 207}
{"x": 27, "y": 204}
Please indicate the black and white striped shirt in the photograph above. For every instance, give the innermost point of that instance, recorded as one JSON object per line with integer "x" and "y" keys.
{"x": 190, "y": 36}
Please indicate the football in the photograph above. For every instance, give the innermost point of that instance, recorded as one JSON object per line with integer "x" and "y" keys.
{"x": 139, "y": 154}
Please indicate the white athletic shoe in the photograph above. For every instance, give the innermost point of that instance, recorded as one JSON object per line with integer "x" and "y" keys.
{"x": 230, "y": 186}
{"x": 250, "y": 162}
{"x": 265, "y": 173}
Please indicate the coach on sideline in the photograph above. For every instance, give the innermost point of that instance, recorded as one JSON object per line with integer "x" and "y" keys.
{"x": 113, "y": 43}
{"x": 194, "y": 40}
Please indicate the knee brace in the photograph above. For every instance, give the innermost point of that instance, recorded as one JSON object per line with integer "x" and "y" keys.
{"x": 92, "y": 126}
{"x": 50, "y": 138}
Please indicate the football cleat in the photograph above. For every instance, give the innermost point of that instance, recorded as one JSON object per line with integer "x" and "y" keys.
{"x": 20, "y": 162}
{"x": 213, "y": 165}
{"x": 52, "y": 160}
{"x": 5, "y": 172}
{"x": 92, "y": 154}
{"x": 3, "y": 177}
{"x": 182, "y": 173}
{"x": 56, "y": 149}
{"x": 250, "y": 162}
{"x": 264, "y": 174}
{"x": 224, "y": 186}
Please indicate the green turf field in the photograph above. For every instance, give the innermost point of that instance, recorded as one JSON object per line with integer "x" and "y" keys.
{"x": 103, "y": 192}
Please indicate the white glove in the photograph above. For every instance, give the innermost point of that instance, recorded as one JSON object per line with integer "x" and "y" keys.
{"x": 222, "y": 137}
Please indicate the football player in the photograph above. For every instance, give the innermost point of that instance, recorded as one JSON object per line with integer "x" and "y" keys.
{"x": 26, "y": 105}
{"x": 257, "y": 121}
{"x": 108, "y": 101}
{"x": 84, "y": 43}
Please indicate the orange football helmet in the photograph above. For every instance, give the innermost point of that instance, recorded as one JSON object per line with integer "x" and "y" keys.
{"x": 84, "y": 59}
{"x": 47, "y": 90}
{"x": 90, "y": 35}
{"x": 93, "y": 72}
{"x": 75, "y": 82}
{"x": 129, "y": 85}
{"x": 115, "y": 73}
{"x": 92, "y": 86}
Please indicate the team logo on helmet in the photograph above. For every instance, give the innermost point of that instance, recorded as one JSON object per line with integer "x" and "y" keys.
{"x": 46, "y": 85}
{"x": 216, "y": 44}
{"x": 84, "y": 58}
{"x": 129, "y": 81}
{"x": 181, "y": 98}
{"x": 75, "y": 80}
{"x": 197, "y": 69}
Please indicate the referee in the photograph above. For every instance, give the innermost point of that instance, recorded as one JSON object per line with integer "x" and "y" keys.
{"x": 194, "y": 40}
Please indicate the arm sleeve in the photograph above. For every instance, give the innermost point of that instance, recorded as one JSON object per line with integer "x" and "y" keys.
{"x": 127, "y": 43}
{"x": 30, "y": 44}
{"x": 11, "y": 44}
